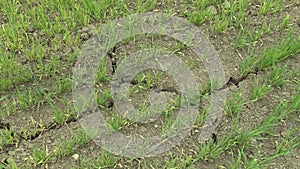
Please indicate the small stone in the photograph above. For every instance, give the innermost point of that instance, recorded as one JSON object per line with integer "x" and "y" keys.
{"x": 49, "y": 141}
{"x": 84, "y": 36}
{"x": 75, "y": 157}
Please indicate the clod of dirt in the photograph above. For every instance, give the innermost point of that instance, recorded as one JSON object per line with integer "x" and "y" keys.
{"x": 87, "y": 32}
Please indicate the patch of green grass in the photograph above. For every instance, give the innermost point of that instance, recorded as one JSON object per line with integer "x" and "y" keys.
{"x": 235, "y": 104}
{"x": 241, "y": 40}
{"x": 202, "y": 117}
{"x": 280, "y": 112}
{"x": 243, "y": 161}
{"x": 260, "y": 90}
{"x": 284, "y": 22}
{"x": 103, "y": 74}
{"x": 144, "y": 81}
{"x": 81, "y": 138}
{"x": 63, "y": 84}
{"x": 66, "y": 147}
{"x": 106, "y": 160}
{"x": 59, "y": 116}
{"x": 166, "y": 126}
{"x": 200, "y": 16}
{"x": 288, "y": 143}
{"x": 148, "y": 80}
{"x": 39, "y": 39}
{"x": 277, "y": 76}
{"x": 283, "y": 148}
{"x": 34, "y": 98}
{"x": 213, "y": 150}
{"x": 7, "y": 137}
{"x": 221, "y": 24}
{"x": 104, "y": 98}
{"x": 294, "y": 76}
{"x": 10, "y": 164}
{"x": 251, "y": 37}
{"x": 267, "y": 6}
{"x": 248, "y": 65}
{"x": 8, "y": 106}
{"x": 288, "y": 47}
{"x": 40, "y": 157}
{"x": 144, "y": 6}
{"x": 117, "y": 121}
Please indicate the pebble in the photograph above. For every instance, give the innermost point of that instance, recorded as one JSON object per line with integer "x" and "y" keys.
{"x": 75, "y": 157}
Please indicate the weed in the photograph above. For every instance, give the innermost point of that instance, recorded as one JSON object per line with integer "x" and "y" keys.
{"x": 243, "y": 161}
{"x": 234, "y": 105}
{"x": 200, "y": 16}
{"x": 63, "y": 84}
{"x": 288, "y": 47}
{"x": 268, "y": 6}
{"x": 277, "y": 76}
{"x": 248, "y": 65}
{"x": 288, "y": 143}
{"x": 65, "y": 148}
{"x": 103, "y": 74}
{"x": 260, "y": 90}
{"x": 285, "y": 22}
{"x": 117, "y": 121}
{"x": 221, "y": 24}
{"x": 144, "y": 6}
{"x": 40, "y": 157}
{"x": 211, "y": 150}
{"x": 202, "y": 116}
{"x": 8, "y": 137}
{"x": 81, "y": 138}
{"x": 59, "y": 116}
{"x": 241, "y": 40}
{"x": 9, "y": 107}
{"x": 11, "y": 164}
{"x": 107, "y": 160}
{"x": 102, "y": 101}
{"x": 166, "y": 125}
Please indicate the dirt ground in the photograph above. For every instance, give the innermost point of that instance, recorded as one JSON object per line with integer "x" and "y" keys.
{"x": 36, "y": 128}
